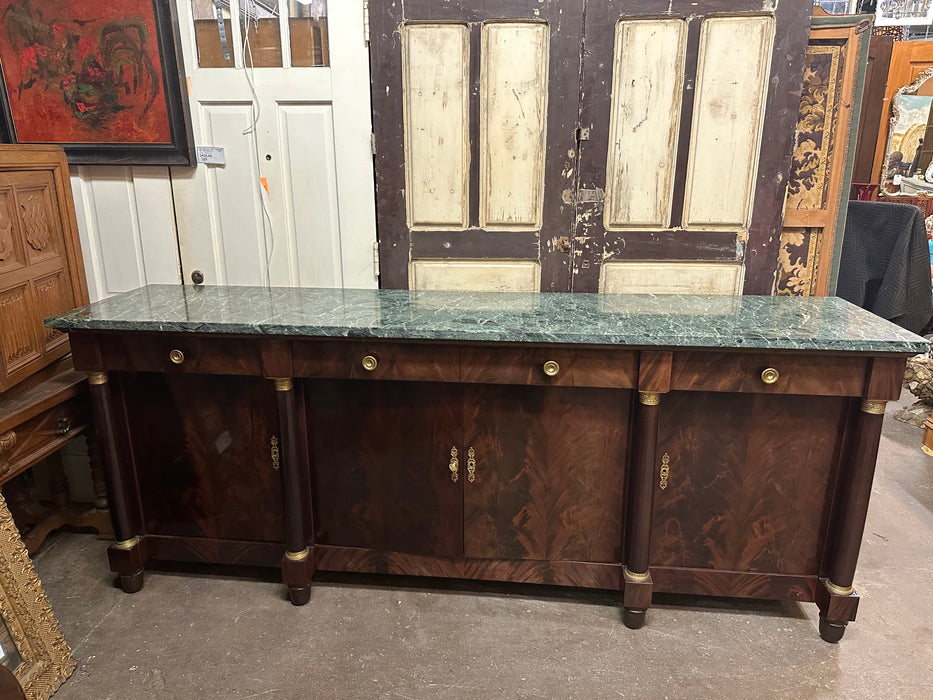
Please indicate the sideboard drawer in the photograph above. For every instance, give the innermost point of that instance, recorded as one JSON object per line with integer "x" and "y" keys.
{"x": 769, "y": 373}
{"x": 179, "y": 353}
{"x": 549, "y": 366}
{"x": 376, "y": 360}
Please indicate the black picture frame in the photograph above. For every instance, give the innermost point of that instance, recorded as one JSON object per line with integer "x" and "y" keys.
{"x": 179, "y": 152}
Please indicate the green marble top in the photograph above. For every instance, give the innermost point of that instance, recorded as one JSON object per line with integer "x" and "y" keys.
{"x": 688, "y": 321}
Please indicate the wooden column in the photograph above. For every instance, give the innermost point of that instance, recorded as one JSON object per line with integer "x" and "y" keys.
{"x": 125, "y": 554}
{"x": 836, "y": 597}
{"x": 654, "y": 378}
{"x": 298, "y": 560}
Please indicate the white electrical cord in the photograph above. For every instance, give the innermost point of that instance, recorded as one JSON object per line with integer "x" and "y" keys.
{"x": 268, "y": 235}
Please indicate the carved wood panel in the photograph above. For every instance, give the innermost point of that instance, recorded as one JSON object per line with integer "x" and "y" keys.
{"x": 41, "y": 272}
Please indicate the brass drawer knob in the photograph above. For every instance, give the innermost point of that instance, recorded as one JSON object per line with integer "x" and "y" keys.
{"x": 369, "y": 363}
{"x": 770, "y": 375}
{"x": 551, "y": 368}
{"x": 176, "y": 356}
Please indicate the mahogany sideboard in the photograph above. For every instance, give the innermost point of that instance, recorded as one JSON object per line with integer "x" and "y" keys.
{"x": 701, "y": 445}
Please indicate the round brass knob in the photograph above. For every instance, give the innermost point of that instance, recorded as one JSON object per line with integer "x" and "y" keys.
{"x": 176, "y": 356}
{"x": 551, "y": 368}
{"x": 369, "y": 363}
{"x": 770, "y": 375}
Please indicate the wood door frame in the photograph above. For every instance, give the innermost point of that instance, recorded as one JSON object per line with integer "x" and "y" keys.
{"x": 397, "y": 246}
{"x": 782, "y": 102}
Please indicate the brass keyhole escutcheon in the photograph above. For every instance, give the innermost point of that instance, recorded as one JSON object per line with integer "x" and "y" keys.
{"x": 770, "y": 375}
{"x": 471, "y": 465}
{"x": 176, "y": 356}
{"x": 551, "y": 368}
{"x": 454, "y": 465}
{"x": 665, "y": 471}
{"x": 369, "y": 363}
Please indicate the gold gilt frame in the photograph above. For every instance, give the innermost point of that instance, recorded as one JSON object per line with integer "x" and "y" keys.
{"x": 46, "y": 658}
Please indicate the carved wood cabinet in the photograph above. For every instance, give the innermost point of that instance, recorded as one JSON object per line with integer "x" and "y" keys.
{"x": 705, "y": 445}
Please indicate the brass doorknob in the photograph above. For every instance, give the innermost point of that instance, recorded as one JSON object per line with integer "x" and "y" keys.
{"x": 770, "y": 375}
{"x": 176, "y": 356}
{"x": 551, "y": 368}
{"x": 369, "y": 363}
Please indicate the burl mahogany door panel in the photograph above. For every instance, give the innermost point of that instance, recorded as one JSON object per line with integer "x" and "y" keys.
{"x": 201, "y": 446}
{"x": 380, "y": 460}
{"x": 549, "y": 472}
{"x": 749, "y": 481}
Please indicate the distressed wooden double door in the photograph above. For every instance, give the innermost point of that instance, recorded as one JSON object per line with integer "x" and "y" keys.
{"x": 576, "y": 145}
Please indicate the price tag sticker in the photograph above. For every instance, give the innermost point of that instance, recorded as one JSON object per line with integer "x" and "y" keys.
{"x": 211, "y": 155}
{"x": 897, "y": 179}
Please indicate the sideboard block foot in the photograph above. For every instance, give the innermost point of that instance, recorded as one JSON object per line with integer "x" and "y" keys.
{"x": 636, "y": 598}
{"x": 127, "y": 560}
{"x": 297, "y": 570}
{"x": 836, "y": 610}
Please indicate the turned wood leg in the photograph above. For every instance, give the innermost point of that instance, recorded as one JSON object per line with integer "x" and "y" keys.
{"x": 637, "y": 585}
{"x": 298, "y": 560}
{"x": 125, "y": 555}
{"x": 97, "y": 469}
{"x": 836, "y": 597}
{"x": 58, "y": 481}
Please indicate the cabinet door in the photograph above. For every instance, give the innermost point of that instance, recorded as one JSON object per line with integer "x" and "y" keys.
{"x": 201, "y": 446}
{"x": 380, "y": 454}
{"x": 550, "y": 466}
{"x": 748, "y": 488}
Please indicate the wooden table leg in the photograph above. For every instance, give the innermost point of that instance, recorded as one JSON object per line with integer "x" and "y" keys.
{"x": 836, "y": 597}
{"x": 126, "y": 555}
{"x": 298, "y": 560}
{"x": 637, "y": 585}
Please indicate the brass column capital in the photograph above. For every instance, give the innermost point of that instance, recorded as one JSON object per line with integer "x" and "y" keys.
{"x": 283, "y": 384}
{"x": 874, "y": 407}
{"x": 97, "y": 378}
{"x": 649, "y": 398}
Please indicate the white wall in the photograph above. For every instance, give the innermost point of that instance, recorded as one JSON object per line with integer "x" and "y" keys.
{"x": 127, "y": 225}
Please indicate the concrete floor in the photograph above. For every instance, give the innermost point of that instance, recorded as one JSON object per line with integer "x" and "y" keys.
{"x": 202, "y": 636}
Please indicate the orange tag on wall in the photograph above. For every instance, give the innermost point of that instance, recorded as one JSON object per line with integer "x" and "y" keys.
{"x": 265, "y": 184}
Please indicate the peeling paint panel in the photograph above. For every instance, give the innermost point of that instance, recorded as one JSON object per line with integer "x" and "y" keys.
{"x": 734, "y": 60}
{"x": 671, "y": 278}
{"x": 476, "y": 275}
{"x": 647, "y": 84}
{"x": 436, "y": 78}
{"x": 513, "y": 126}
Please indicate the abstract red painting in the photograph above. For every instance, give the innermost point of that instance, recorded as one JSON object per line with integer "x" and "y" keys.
{"x": 90, "y": 72}
{"x": 83, "y": 70}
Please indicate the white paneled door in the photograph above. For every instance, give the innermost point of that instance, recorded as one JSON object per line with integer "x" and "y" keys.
{"x": 282, "y": 86}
